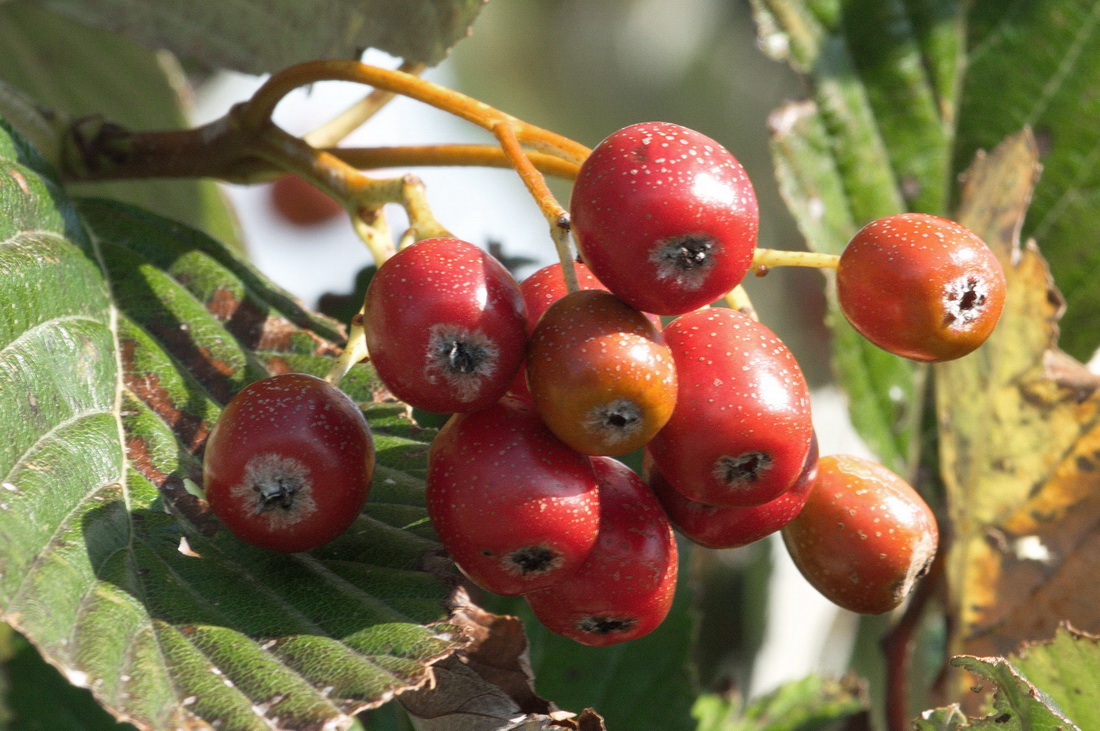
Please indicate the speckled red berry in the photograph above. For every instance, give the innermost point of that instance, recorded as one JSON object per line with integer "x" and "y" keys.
{"x": 665, "y": 217}
{"x": 288, "y": 465}
{"x": 864, "y": 536}
{"x": 445, "y": 326}
{"x": 540, "y": 290}
{"x": 625, "y": 588}
{"x": 516, "y": 508}
{"x": 920, "y": 286}
{"x": 741, "y": 429}
{"x": 731, "y": 527}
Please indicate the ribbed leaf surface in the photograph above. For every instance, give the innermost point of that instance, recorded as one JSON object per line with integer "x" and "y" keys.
{"x": 123, "y": 335}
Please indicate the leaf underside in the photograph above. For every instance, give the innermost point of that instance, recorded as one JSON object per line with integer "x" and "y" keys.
{"x": 260, "y": 36}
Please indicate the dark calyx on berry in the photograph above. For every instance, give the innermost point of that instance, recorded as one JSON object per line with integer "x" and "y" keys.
{"x": 744, "y": 468}
{"x": 965, "y": 298}
{"x": 605, "y": 625}
{"x": 531, "y": 560}
{"x": 685, "y": 259}
{"x": 621, "y": 415}
{"x": 464, "y": 359}
{"x": 277, "y": 481}
{"x": 277, "y": 493}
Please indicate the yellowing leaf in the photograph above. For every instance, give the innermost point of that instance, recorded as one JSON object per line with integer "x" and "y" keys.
{"x": 1019, "y": 440}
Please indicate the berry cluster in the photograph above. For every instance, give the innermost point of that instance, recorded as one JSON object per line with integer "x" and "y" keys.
{"x": 547, "y": 383}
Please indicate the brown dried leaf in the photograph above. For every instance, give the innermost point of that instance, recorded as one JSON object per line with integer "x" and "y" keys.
{"x": 489, "y": 685}
{"x": 1019, "y": 441}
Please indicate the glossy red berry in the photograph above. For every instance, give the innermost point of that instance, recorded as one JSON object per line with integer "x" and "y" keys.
{"x": 920, "y": 286}
{"x": 547, "y": 285}
{"x": 864, "y": 536}
{"x": 516, "y": 508}
{"x": 301, "y": 203}
{"x": 288, "y": 465}
{"x": 741, "y": 429}
{"x": 731, "y": 527}
{"x": 665, "y": 217}
{"x": 445, "y": 326}
{"x": 600, "y": 373}
{"x": 625, "y": 588}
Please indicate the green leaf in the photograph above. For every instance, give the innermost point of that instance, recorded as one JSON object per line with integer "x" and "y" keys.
{"x": 1066, "y": 668}
{"x": 75, "y": 71}
{"x": 259, "y": 36}
{"x": 1042, "y": 685}
{"x": 39, "y": 698}
{"x": 1038, "y": 65}
{"x": 1017, "y": 704}
{"x": 124, "y": 334}
{"x": 810, "y": 704}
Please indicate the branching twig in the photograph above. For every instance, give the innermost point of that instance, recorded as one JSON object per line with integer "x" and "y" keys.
{"x": 339, "y": 127}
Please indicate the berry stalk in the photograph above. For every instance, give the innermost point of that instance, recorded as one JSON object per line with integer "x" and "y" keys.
{"x": 768, "y": 258}
{"x": 458, "y": 155}
{"x": 555, "y": 214}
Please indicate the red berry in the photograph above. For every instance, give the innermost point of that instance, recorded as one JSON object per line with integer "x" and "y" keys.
{"x": 289, "y": 462}
{"x": 515, "y": 507}
{"x": 547, "y": 285}
{"x": 600, "y": 374}
{"x": 540, "y": 290}
{"x": 741, "y": 429}
{"x": 665, "y": 217}
{"x": 301, "y": 203}
{"x": 920, "y": 286}
{"x": 731, "y": 527}
{"x": 625, "y": 588}
{"x": 445, "y": 326}
{"x": 864, "y": 537}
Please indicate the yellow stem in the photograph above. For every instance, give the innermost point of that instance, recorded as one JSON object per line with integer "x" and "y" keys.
{"x": 354, "y": 351}
{"x": 556, "y": 216}
{"x": 422, "y": 221}
{"x": 375, "y": 234}
{"x": 336, "y": 129}
{"x": 257, "y": 112}
{"x": 769, "y": 258}
{"x": 738, "y": 299}
{"x": 368, "y": 158}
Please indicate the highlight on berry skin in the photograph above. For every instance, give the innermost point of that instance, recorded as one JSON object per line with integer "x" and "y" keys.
{"x": 921, "y": 287}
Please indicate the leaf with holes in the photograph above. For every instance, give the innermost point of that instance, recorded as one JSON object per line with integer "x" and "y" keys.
{"x": 123, "y": 335}
{"x": 1016, "y": 703}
